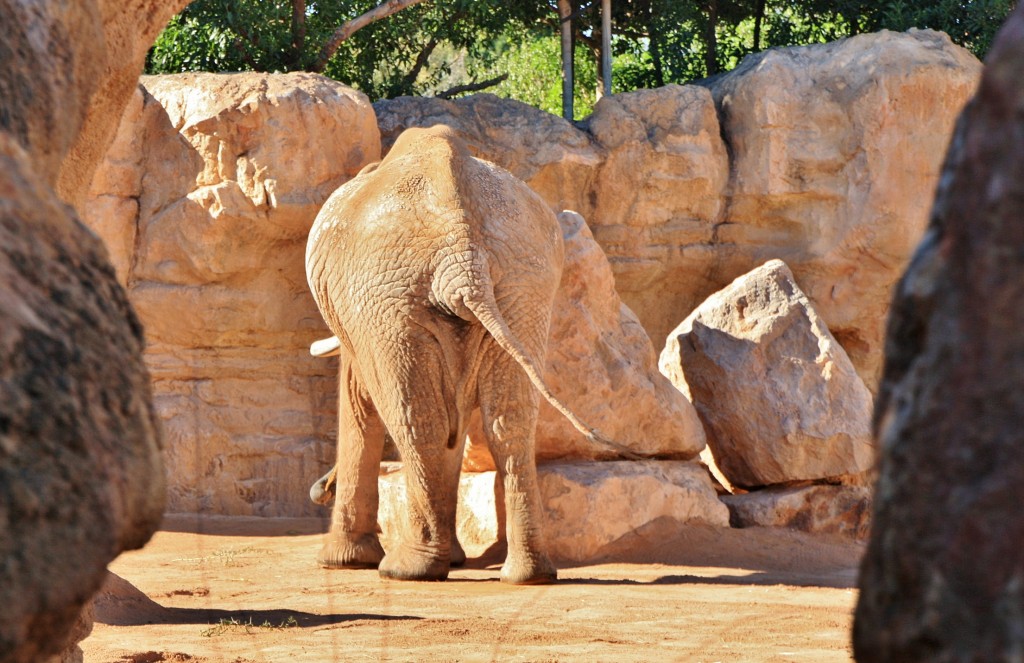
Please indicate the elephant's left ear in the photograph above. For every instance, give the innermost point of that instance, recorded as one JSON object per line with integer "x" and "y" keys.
{"x": 325, "y": 347}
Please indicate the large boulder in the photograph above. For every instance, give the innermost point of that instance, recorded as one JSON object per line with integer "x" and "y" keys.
{"x": 942, "y": 576}
{"x": 833, "y": 154}
{"x": 80, "y": 462}
{"x": 780, "y": 399}
{"x": 81, "y": 477}
{"x": 69, "y": 70}
{"x": 836, "y": 153}
{"x": 588, "y": 505}
{"x": 599, "y": 354}
{"x": 206, "y": 200}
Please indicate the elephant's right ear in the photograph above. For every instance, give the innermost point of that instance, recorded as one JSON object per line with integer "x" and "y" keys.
{"x": 325, "y": 347}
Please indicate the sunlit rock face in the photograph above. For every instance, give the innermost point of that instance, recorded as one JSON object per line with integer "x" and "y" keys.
{"x": 941, "y": 579}
{"x": 779, "y": 398}
{"x": 205, "y": 201}
{"x": 825, "y": 156}
{"x": 588, "y": 506}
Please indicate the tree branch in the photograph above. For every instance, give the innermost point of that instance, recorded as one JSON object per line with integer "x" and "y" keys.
{"x": 382, "y": 11}
{"x": 246, "y": 55}
{"x": 298, "y": 32}
{"x": 405, "y": 86}
{"x": 471, "y": 87}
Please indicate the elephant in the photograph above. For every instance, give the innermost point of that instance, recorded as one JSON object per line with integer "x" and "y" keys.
{"x": 436, "y": 272}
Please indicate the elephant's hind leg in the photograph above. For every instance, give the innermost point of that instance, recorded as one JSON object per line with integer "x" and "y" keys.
{"x": 353, "y": 542}
{"x": 509, "y": 405}
{"x": 423, "y": 423}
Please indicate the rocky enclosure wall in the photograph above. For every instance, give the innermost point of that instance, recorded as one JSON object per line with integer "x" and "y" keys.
{"x": 824, "y": 156}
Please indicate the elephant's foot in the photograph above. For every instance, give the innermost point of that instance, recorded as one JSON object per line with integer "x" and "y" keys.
{"x": 343, "y": 551}
{"x": 458, "y": 554}
{"x": 528, "y": 570}
{"x": 406, "y": 563}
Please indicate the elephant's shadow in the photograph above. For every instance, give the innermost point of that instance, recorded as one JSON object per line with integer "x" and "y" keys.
{"x": 275, "y": 618}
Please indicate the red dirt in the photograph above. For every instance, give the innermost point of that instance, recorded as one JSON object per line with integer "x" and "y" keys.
{"x": 246, "y": 590}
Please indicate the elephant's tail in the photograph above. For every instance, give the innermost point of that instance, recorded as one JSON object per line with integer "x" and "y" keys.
{"x": 486, "y": 311}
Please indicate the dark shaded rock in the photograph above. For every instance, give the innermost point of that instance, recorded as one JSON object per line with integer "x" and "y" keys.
{"x": 943, "y": 577}
{"x": 81, "y": 475}
{"x": 818, "y": 509}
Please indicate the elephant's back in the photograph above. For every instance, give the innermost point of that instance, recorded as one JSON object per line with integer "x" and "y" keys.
{"x": 515, "y": 223}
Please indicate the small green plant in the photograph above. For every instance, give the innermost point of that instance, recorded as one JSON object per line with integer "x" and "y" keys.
{"x": 233, "y": 625}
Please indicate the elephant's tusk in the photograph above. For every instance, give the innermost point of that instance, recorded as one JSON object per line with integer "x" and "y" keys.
{"x": 322, "y": 492}
{"x": 325, "y": 347}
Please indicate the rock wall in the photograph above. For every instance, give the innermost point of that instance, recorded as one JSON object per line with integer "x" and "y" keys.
{"x": 205, "y": 201}
{"x": 824, "y": 156}
{"x": 207, "y": 195}
{"x": 81, "y": 475}
{"x": 941, "y": 578}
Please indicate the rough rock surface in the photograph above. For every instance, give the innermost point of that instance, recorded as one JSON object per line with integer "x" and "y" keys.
{"x": 658, "y": 198}
{"x": 833, "y": 155}
{"x": 80, "y": 462}
{"x": 779, "y": 398}
{"x": 599, "y": 355}
{"x": 228, "y": 340}
{"x": 822, "y": 509}
{"x": 941, "y": 579}
{"x": 837, "y": 150}
{"x": 65, "y": 115}
{"x": 81, "y": 629}
{"x": 589, "y": 505}
{"x": 206, "y": 200}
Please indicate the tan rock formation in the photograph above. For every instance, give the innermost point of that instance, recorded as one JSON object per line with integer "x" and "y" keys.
{"x": 834, "y": 152}
{"x": 821, "y": 509}
{"x": 589, "y": 505}
{"x": 214, "y": 181}
{"x": 658, "y": 197}
{"x": 779, "y": 398}
{"x": 203, "y": 203}
{"x": 602, "y": 364}
{"x": 837, "y": 150}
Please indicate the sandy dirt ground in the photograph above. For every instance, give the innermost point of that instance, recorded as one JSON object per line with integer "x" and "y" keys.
{"x": 246, "y": 590}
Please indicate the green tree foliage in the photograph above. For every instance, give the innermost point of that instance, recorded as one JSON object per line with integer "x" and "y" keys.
{"x": 435, "y": 45}
{"x": 385, "y": 59}
{"x": 972, "y": 24}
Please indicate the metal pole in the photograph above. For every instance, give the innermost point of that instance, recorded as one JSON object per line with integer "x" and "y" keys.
{"x": 565, "y": 21}
{"x": 606, "y": 47}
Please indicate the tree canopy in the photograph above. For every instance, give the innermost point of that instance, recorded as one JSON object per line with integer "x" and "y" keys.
{"x": 430, "y": 48}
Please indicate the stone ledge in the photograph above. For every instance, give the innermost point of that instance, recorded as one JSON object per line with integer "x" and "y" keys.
{"x": 589, "y": 505}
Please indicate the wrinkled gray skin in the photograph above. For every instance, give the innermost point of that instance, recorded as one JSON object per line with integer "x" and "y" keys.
{"x": 436, "y": 271}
